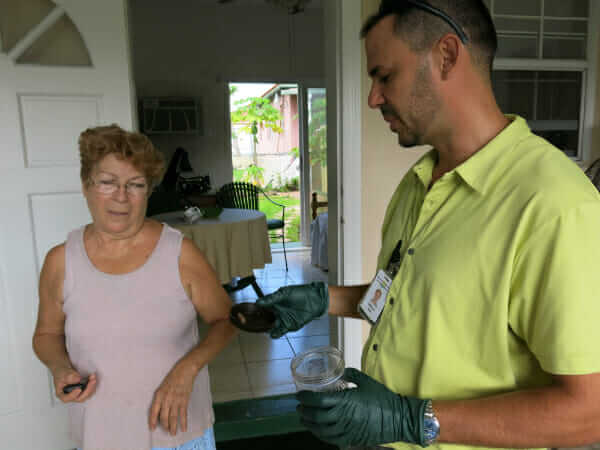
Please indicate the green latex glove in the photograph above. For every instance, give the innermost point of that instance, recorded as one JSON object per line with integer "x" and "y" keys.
{"x": 368, "y": 415}
{"x": 295, "y": 306}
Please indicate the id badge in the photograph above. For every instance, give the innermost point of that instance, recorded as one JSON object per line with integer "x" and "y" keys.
{"x": 372, "y": 303}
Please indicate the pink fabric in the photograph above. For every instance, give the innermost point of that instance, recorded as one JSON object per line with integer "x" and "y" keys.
{"x": 130, "y": 330}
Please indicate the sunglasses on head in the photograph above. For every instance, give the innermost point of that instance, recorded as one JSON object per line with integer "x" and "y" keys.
{"x": 393, "y": 6}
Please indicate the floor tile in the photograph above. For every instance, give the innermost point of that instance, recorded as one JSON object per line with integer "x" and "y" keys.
{"x": 265, "y": 373}
{"x": 229, "y": 378}
{"x": 269, "y": 373}
{"x": 260, "y": 347}
{"x": 318, "y": 327}
{"x": 301, "y": 344}
{"x": 232, "y": 354}
{"x": 274, "y": 390}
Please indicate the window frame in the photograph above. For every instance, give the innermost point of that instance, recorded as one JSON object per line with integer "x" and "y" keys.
{"x": 588, "y": 69}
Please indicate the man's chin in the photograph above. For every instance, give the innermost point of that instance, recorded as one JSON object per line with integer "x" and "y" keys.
{"x": 407, "y": 142}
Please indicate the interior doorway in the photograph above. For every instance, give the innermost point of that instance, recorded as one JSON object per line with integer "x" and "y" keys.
{"x": 279, "y": 143}
{"x": 265, "y": 148}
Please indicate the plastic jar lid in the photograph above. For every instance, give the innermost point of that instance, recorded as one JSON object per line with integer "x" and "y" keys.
{"x": 318, "y": 367}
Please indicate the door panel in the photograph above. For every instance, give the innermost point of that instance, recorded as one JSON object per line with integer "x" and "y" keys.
{"x": 42, "y": 111}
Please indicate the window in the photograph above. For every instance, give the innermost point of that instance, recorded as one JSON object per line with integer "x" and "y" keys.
{"x": 545, "y": 67}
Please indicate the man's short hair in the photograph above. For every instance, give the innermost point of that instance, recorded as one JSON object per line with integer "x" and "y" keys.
{"x": 421, "y": 29}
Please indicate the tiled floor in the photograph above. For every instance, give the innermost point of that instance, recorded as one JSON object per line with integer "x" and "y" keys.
{"x": 254, "y": 365}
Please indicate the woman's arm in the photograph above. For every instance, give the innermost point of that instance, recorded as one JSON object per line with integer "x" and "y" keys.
{"x": 211, "y": 302}
{"x": 213, "y": 305}
{"x": 49, "y": 335}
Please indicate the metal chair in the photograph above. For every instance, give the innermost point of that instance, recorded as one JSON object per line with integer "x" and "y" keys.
{"x": 593, "y": 173}
{"x": 245, "y": 196}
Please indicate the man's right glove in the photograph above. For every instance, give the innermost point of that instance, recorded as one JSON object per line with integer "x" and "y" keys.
{"x": 367, "y": 415}
{"x": 295, "y": 306}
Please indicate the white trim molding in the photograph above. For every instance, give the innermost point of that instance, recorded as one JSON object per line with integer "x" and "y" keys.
{"x": 33, "y": 34}
{"x": 349, "y": 122}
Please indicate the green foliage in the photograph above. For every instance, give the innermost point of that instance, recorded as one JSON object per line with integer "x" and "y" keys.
{"x": 255, "y": 112}
{"x": 293, "y": 184}
{"x": 292, "y": 231}
{"x": 292, "y": 214}
{"x": 238, "y": 174}
{"x": 253, "y": 174}
{"x": 317, "y": 132}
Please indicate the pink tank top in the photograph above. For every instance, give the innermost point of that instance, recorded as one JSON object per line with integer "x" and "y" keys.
{"x": 130, "y": 330}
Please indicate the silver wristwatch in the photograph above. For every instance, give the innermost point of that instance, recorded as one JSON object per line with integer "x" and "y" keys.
{"x": 431, "y": 425}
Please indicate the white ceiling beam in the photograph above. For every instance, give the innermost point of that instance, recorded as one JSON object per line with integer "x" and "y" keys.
{"x": 33, "y": 34}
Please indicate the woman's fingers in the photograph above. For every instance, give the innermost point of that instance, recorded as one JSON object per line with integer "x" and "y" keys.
{"x": 89, "y": 389}
{"x": 183, "y": 416}
{"x": 155, "y": 411}
{"x": 169, "y": 412}
{"x": 164, "y": 416}
{"x": 173, "y": 416}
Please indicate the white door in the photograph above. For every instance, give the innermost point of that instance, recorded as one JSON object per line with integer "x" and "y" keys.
{"x": 43, "y": 108}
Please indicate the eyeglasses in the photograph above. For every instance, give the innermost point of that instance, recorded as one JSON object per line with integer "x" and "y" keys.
{"x": 394, "y": 6}
{"x": 108, "y": 187}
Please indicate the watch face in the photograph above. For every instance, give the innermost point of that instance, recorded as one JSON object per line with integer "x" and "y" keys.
{"x": 431, "y": 429}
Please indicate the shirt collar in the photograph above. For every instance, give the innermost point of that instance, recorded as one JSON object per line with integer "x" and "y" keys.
{"x": 423, "y": 169}
{"x": 476, "y": 170}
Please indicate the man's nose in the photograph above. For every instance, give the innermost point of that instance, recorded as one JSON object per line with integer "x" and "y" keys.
{"x": 375, "y": 99}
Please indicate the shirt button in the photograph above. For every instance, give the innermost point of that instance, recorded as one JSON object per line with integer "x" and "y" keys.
{"x": 375, "y": 347}
{"x": 411, "y": 251}
{"x": 392, "y": 301}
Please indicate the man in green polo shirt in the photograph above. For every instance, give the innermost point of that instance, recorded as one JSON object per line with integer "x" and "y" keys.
{"x": 489, "y": 332}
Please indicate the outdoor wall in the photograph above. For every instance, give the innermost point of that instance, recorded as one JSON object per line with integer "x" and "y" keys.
{"x": 197, "y": 48}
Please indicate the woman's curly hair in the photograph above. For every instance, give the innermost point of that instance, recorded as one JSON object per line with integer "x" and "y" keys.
{"x": 135, "y": 148}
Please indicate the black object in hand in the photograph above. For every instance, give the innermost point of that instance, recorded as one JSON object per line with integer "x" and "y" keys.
{"x": 251, "y": 317}
{"x": 70, "y": 387}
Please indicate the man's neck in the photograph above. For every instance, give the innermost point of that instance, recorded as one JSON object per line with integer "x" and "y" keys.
{"x": 463, "y": 141}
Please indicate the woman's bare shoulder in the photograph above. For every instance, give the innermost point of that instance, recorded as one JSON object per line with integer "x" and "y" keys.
{"x": 55, "y": 258}
{"x": 53, "y": 271}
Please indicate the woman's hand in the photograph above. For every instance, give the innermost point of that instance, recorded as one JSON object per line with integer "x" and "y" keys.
{"x": 64, "y": 376}
{"x": 170, "y": 403}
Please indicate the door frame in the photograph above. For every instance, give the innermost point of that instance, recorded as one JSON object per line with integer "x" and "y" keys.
{"x": 343, "y": 50}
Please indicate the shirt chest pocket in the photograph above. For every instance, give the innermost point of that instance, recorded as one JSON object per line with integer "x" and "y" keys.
{"x": 452, "y": 278}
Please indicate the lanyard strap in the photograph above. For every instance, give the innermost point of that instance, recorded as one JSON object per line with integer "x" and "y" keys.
{"x": 394, "y": 263}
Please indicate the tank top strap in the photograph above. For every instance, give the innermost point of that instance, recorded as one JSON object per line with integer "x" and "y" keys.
{"x": 73, "y": 259}
{"x": 168, "y": 249}
{"x": 165, "y": 258}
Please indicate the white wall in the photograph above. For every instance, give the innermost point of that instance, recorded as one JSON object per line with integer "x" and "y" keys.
{"x": 195, "y": 48}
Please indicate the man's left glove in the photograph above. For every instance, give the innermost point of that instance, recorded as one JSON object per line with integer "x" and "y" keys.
{"x": 368, "y": 415}
{"x": 294, "y": 306}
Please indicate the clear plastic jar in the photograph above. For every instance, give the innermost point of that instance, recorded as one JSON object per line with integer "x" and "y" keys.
{"x": 319, "y": 369}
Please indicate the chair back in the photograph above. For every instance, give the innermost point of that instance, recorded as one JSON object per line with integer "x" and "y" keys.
{"x": 238, "y": 195}
{"x": 593, "y": 173}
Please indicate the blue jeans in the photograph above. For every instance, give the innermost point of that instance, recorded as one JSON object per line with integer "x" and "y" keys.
{"x": 204, "y": 442}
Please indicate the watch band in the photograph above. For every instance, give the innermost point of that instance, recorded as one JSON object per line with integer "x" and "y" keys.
{"x": 431, "y": 425}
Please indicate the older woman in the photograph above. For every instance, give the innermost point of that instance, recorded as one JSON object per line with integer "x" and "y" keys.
{"x": 118, "y": 306}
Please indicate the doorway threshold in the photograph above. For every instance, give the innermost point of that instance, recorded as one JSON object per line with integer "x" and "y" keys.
{"x": 290, "y": 247}
{"x": 243, "y": 419}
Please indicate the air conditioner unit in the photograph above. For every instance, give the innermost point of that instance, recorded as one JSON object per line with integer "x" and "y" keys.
{"x": 170, "y": 115}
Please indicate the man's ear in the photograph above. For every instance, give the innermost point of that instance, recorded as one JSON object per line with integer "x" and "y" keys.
{"x": 448, "y": 49}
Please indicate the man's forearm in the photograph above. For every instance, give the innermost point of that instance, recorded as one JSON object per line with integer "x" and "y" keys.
{"x": 343, "y": 300}
{"x": 544, "y": 417}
